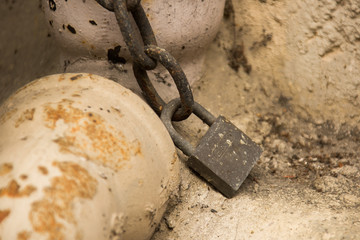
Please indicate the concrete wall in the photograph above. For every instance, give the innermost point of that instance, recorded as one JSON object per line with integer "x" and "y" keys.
{"x": 307, "y": 49}
{"x": 27, "y": 50}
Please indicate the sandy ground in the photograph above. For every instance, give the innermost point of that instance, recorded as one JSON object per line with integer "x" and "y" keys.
{"x": 306, "y": 184}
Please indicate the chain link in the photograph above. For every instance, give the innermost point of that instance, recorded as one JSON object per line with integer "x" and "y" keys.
{"x": 181, "y": 82}
{"x": 145, "y": 56}
{"x": 108, "y": 4}
{"x": 129, "y": 34}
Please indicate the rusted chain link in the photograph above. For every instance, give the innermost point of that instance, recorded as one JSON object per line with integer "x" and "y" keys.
{"x": 145, "y": 56}
{"x": 130, "y": 35}
{"x": 131, "y": 4}
{"x": 128, "y": 32}
{"x": 108, "y": 4}
{"x": 182, "y": 84}
{"x": 144, "y": 26}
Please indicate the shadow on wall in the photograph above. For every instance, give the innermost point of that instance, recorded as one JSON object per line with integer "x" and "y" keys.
{"x": 27, "y": 49}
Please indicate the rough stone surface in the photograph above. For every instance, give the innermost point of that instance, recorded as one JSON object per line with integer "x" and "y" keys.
{"x": 308, "y": 49}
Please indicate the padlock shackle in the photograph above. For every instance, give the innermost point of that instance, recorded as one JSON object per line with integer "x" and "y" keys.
{"x": 179, "y": 141}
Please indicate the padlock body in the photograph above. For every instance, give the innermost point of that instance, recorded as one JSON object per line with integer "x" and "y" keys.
{"x": 225, "y": 156}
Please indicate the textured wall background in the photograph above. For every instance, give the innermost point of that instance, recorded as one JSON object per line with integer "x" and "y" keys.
{"x": 27, "y": 50}
{"x": 310, "y": 50}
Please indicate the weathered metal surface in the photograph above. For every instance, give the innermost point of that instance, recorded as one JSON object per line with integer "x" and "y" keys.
{"x": 177, "y": 74}
{"x": 224, "y": 156}
{"x": 82, "y": 158}
{"x": 133, "y": 42}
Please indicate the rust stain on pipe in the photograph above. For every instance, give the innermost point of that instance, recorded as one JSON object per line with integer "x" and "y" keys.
{"x": 27, "y": 115}
{"x": 23, "y": 176}
{"x": 13, "y": 190}
{"x": 89, "y": 136}
{"x": 75, "y": 182}
{"x": 23, "y": 235}
{"x": 4, "y": 214}
{"x": 5, "y": 168}
{"x": 43, "y": 170}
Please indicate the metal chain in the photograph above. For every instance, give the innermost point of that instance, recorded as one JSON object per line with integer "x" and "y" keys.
{"x": 145, "y": 56}
{"x": 182, "y": 84}
{"x": 128, "y": 32}
{"x": 108, "y": 4}
{"x": 130, "y": 36}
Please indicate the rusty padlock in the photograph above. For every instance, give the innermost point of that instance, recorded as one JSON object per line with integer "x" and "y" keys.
{"x": 224, "y": 156}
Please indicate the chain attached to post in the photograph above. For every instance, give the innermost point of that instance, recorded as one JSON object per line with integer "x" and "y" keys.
{"x": 145, "y": 55}
{"x": 225, "y": 155}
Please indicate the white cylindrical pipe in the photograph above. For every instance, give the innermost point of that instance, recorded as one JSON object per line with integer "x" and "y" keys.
{"x": 81, "y": 157}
